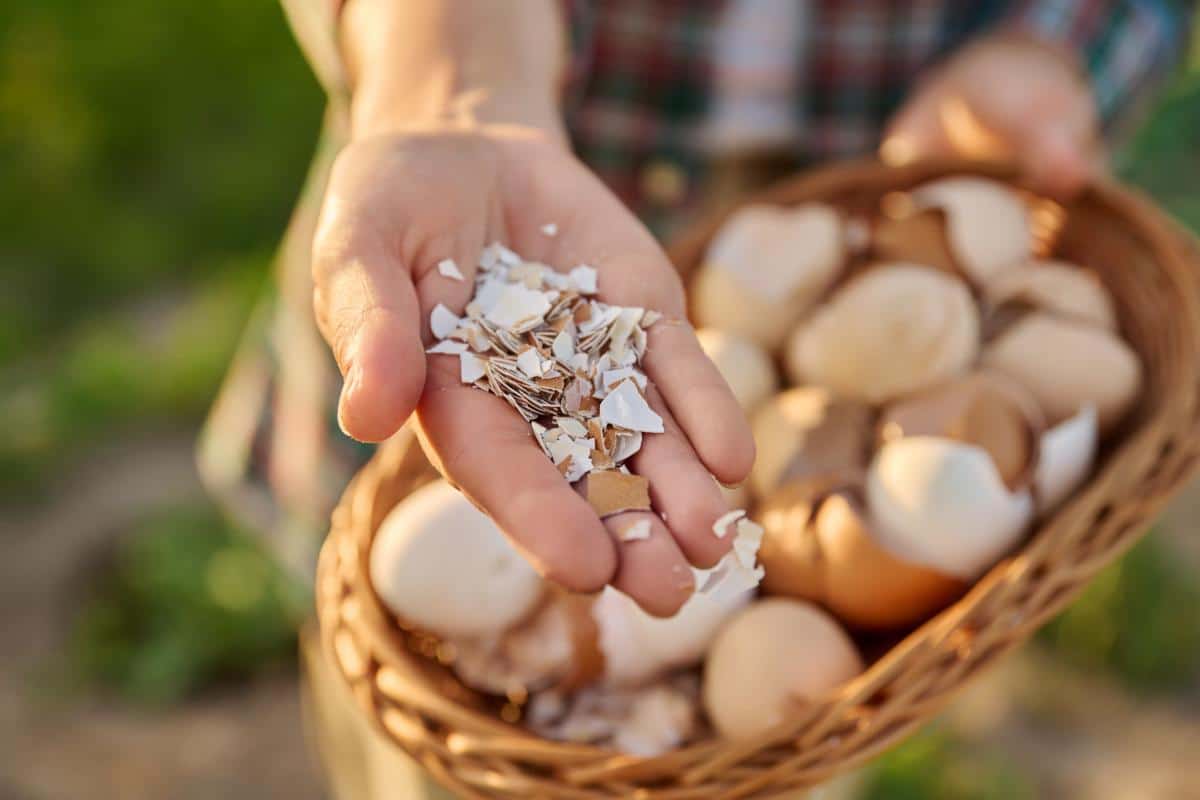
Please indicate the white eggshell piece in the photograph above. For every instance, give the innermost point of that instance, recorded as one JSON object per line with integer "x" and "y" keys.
{"x": 988, "y": 226}
{"x": 1060, "y": 288}
{"x": 941, "y": 503}
{"x": 893, "y": 330}
{"x": 440, "y": 563}
{"x": 1065, "y": 457}
{"x": 637, "y": 647}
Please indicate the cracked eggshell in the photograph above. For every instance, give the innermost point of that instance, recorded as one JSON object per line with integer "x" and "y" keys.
{"x": 1057, "y": 287}
{"x": 893, "y": 330}
{"x": 744, "y": 365}
{"x": 771, "y": 659}
{"x": 988, "y": 225}
{"x": 942, "y": 504}
{"x": 915, "y": 237}
{"x": 765, "y": 268}
{"x": 1068, "y": 451}
{"x": 637, "y": 647}
{"x": 1067, "y": 365}
{"x": 807, "y": 431}
{"x": 827, "y": 551}
{"x": 985, "y": 409}
{"x": 440, "y": 563}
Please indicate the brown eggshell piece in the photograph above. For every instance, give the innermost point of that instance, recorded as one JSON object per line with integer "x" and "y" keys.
{"x": 984, "y": 409}
{"x": 790, "y": 553}
{"x": 865, "y": 585}
{"x": 918, "y": 237}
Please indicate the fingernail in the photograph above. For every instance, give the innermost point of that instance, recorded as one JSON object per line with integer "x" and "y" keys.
{"x": 350, "y": 385}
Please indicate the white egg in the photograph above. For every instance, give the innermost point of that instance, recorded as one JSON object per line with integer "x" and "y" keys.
{"x": 988, "y": 225}
{"x": 1066, "y": 454}
{"x": 894, "y": 329}
{"x": 638, "y": 647}
{"x": 440, "y": 563}
{"x": 769, "y": 660}
{"x": 765, "y": 268}
{"x": 942, "y": 503}
{"x": 744, "y": 365}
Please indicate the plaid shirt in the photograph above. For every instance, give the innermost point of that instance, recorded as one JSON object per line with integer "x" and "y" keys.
{"x": 649, "y": 80}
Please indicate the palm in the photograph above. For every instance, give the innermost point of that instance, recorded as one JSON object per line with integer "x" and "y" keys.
{"x": 415, "y": 200}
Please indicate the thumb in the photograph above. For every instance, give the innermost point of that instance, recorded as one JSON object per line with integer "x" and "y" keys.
{"x": 1058, "y": 159}
{"x": 367, "y": 310}
{"x": 916, "y": 132}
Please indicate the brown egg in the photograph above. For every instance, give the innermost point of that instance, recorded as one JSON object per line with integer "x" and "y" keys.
{"x": 985, "y": 409}
{"x": 895, "y": 329}
{"x": 1062, "y": 289}
{"x": 1067, "y": 365}
{"x": 807, "y": 431}
{"x": 915, "y": 237}
{"x": 824, "y": 549}
{"x": 765, "y": 268}
{"x": 769, "y": 660}
{"x": 744, "y": 365}
{"x": 988, "y": 226}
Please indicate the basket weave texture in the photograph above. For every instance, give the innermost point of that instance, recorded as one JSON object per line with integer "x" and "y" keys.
{"x": 1153, "y": 271}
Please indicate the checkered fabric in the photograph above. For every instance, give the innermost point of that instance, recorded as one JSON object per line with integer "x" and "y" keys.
{"x": 648, "y": 81}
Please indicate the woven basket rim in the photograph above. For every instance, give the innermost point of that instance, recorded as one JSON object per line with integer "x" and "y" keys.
{"x": 459, "y": 744}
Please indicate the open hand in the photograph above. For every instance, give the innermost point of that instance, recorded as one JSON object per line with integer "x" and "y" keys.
{"x": 400, "y": 202}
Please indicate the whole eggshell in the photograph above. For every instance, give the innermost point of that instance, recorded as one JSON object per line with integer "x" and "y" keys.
{"x": 985, "y": 409}
{"x": 765, "y": 268}
{"x": 823, "y": 548}
{"x": 941, "y": 503}
{"x": 440, "y": 563}
{"x": 807, "y": 431}
{"x": 1067, "y": 365}
{"x": 637, "y": 647}
{"x": 988, "y": 225}
{"x": 769, "y": 660}
{"x": 892, "y": 330}
{"x": 744, "y": 365}
{"x": 1057, "y": 287}
{"x": 1067, "y": 453}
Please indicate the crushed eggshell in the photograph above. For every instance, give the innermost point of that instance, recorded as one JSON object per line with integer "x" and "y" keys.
{"x": 636, "y": 531}
{"x": 443, "y": 321}
{"x": 449, "y": 269}
{"x": 738, "y": 571}
{"x": 612, "y": 492}
{"x": 721, "y": 526}
{"x": 625, "y": 408}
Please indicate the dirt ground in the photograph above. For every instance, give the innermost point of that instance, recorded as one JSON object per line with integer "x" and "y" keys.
{"x": 1079, "y": 738}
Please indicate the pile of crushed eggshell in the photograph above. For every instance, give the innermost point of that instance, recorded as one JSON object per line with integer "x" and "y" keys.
{"x": 947, "y": 389}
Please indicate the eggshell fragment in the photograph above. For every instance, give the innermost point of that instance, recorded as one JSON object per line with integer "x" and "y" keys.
{"x": 1067, "y": 365}
{"x": 807, "y": 431}
{"x": 1068, "y": 451}
{"x": 744, "y": 365}
{"x": 940, "y": 503}
{"x": 987, "y": 224}
{"x": 440, "y": 563}
{"x": 765, "y": 268}
{"x": 769, "y": 660}
{"x": 637, "y": 647}
{"x": 985, "y": 409}
{"x": 1057, "y": 287}
{"x": 892, "y": 330}
{"x": 916, "y": 237}
{"x": 825, "y": 549}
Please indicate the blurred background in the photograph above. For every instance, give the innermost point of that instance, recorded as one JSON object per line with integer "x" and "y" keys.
{"x": 151, "y": 154}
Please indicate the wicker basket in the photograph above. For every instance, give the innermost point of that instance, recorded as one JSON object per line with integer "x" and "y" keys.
{"x": 461, "y": 738}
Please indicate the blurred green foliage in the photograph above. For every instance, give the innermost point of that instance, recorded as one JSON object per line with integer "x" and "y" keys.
{"x": 1139, "y": 620}
{"x": 933, "y": 765}
{"x": 186, "y": 601}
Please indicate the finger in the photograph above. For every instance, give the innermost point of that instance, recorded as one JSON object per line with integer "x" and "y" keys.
{"x": 652, "y": 570}
{"x": 367, "y": 310}
{"x": 481, "y": 445}
{"x": 916, "y": 132}
{"x": 700, "y": 400}
{"x": 681, "y": 489}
